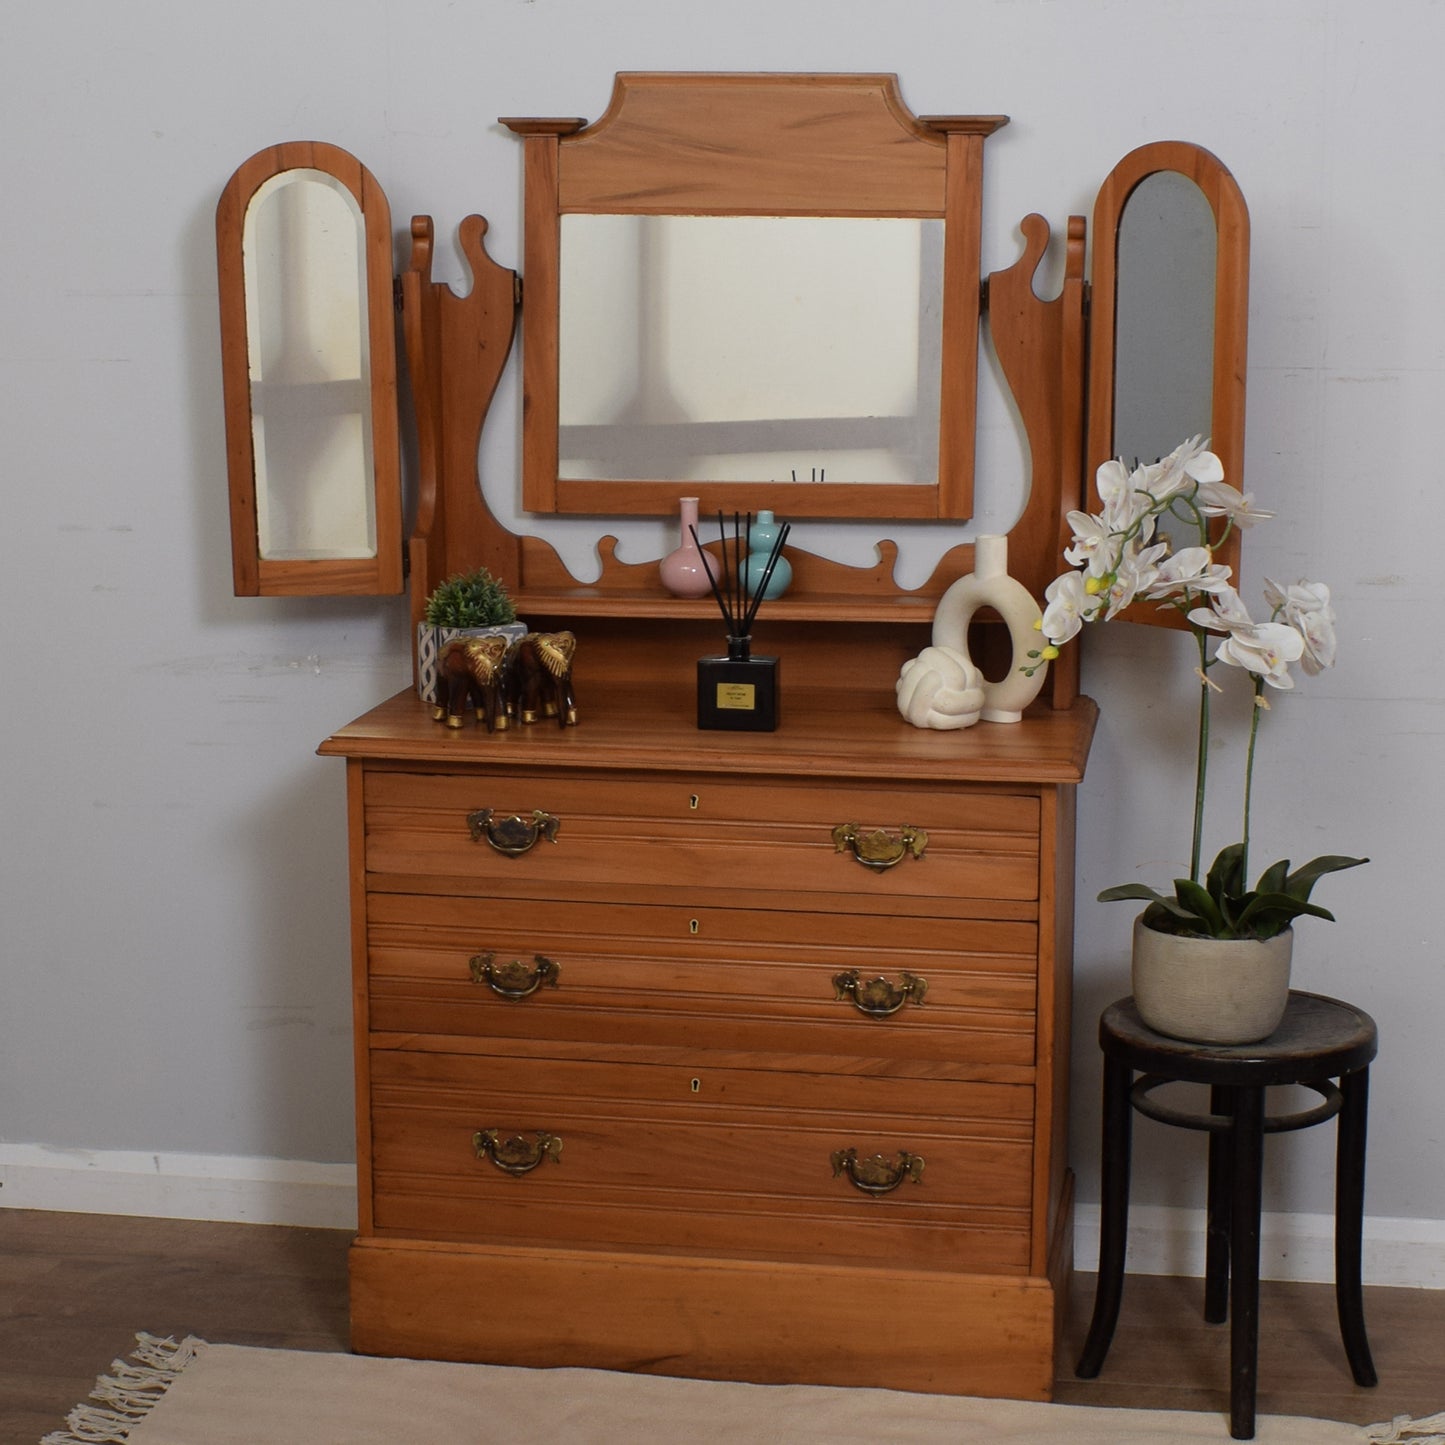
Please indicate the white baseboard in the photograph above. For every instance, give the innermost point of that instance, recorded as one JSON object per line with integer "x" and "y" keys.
{"x": 178, "y": 1186}
{"x": 1409, "y": 1252}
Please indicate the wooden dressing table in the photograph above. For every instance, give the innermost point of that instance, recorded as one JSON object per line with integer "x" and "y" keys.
{"x": 732, "y": 1055}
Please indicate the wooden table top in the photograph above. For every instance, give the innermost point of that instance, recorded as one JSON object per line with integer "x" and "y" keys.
{"x": 821, "y": 733}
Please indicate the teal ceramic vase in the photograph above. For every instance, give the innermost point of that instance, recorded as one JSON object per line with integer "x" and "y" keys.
{"x": 760, "y": 546}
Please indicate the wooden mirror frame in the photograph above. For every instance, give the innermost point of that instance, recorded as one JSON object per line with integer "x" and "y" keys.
{"x": 1231, "y": 318}
{"x": 754, "y": 145}
{"x": 254, "y": 575}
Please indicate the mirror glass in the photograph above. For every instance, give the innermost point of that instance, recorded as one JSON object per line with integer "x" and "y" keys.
{"x": 303, "y": 249}
{"x": 750, "y": 348}
{"x": 1164, "y": 338}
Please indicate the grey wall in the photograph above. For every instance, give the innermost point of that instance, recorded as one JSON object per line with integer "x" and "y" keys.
{"x": 173, "y": 950}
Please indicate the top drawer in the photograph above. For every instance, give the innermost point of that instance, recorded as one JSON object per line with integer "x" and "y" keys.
{"x": 703, "y": 833}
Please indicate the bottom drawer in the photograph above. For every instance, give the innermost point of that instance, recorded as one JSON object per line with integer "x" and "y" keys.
{"x": 730, "y": 1160}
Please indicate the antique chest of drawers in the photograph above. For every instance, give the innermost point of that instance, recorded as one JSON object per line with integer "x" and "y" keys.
{"x": 715, "y": 1054}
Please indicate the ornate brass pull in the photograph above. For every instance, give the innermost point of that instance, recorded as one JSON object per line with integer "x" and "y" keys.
{"x": 877, "y": 850}
{"x": 516, "y": 979}
{"x": 511, "y": 833}
{"x": 517, "y": 1155}
{"x": 878, "y": 998}
{"x": 877, "y": 1175}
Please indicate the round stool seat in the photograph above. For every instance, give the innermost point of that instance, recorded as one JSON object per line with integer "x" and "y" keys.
{"x": 1318, "y": 1038}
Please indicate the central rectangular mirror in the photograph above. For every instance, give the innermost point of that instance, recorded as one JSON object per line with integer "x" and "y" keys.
{"x": 733, "y": 281}
{"x": 773, "y": 349}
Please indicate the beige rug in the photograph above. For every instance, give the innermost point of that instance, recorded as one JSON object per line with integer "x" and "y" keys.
{"x": 197, "y": 1394}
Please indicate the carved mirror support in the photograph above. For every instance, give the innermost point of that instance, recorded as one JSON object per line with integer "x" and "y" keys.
{"x": 308, "y": 354}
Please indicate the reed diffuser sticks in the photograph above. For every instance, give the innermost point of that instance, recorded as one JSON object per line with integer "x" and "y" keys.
{"x": 737, "y": 600}
{"x": 739, "y": 691}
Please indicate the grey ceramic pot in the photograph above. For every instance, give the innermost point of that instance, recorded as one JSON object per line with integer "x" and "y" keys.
{"x": 1211, "y": 990}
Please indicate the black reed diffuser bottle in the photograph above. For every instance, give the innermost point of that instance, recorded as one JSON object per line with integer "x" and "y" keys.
{"x": 739, "y": 692}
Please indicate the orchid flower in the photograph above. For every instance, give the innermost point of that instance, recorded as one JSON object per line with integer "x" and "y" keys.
{"x": 1305, "y": 606}
{"x": 1191, "y": 570}
{"x": 1190, "y": 463}
{"x": 1225, "y": 612}
{"x": 1125, "y": 506}
{"x": 1068, "y": 607}
{"x": 1219, "y": 499}
{"x": 1134, "y": 573}
{"x": 1093, "y": 541}
{"x": 1263, "y": 648}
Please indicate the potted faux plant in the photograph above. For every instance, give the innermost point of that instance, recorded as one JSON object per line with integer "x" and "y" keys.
{"x": 1211, "y": 958}
{"x": 466, "y": 604}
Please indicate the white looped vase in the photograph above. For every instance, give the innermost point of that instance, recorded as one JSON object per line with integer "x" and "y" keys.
{"x": 941, "y": 687}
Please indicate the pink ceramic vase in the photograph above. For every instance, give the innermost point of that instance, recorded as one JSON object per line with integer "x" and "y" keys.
{"x": 684, "y": 572}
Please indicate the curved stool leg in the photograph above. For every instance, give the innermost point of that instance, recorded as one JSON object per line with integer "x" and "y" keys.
{"x": 1349, "y": 1224}
{"x": 1248, "y": 1151}
{"x": 1114, "y": 1218}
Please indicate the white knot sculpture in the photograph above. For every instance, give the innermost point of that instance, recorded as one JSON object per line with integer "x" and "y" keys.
{"x": 940, "y": 688}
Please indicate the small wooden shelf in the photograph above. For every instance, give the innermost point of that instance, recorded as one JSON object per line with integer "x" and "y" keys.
{"x": 583, "y": 601}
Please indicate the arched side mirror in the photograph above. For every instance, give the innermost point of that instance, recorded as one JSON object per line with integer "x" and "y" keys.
{"x": 308, "y": 356}
{"x": 1169, "y": 315}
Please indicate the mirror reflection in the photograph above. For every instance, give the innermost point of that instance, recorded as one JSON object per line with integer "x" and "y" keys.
{"x": 1164, "y": 336}
{"x": 750, "y": 348}
{"x": 303, "y": 249}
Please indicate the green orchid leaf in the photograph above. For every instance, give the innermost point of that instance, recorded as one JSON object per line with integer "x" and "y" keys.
{"x": 1267, "y": 906}
{"x": 1196, "y": 900}
{"x": 1159, "y": 910}
{"x": 1303, "y": 879}
{"x": 1226, "y": 877}
{"x": 1273, "y": 879}
{"x": 1131, "y": 890}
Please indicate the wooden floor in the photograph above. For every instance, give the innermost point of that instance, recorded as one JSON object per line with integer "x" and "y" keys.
{"x": 75, "y": 1288}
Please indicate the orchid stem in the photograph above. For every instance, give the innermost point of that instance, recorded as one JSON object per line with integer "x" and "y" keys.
{"x": 1249, "y": 775}
{"x": 1202, "y": 767}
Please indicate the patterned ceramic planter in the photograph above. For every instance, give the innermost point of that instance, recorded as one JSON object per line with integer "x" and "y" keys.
{"x": 430, "y": 641}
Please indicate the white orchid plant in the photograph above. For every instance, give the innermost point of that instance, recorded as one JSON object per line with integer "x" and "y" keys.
{"x": 1117, "y": 561}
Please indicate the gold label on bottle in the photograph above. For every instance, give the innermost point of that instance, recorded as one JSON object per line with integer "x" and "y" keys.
{"x": 736, "y": 696}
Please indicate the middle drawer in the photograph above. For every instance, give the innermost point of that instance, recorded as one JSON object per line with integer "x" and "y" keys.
{"x": 956, "y": 991}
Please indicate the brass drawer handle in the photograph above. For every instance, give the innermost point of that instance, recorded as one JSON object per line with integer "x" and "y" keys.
{"x": 511, "y": 833}
{"x": 877, "y": 850}
{"x": 517, "y": 1155}
{"x": 516, "y": 979}
{"x": 878, "y": 998}
{"x": 877, "y": 1175}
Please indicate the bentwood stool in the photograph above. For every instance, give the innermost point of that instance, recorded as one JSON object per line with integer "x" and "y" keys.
{"x": 1319, "y": 1040}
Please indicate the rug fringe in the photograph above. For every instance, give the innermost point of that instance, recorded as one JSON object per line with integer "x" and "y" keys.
{"x": 125, "y": 1397}
{"x": 1402, "y": 1430}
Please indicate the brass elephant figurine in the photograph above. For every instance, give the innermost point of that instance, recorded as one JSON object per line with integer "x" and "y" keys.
{"x": 542, "y": 678}
{"x": 475, "y": 672}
